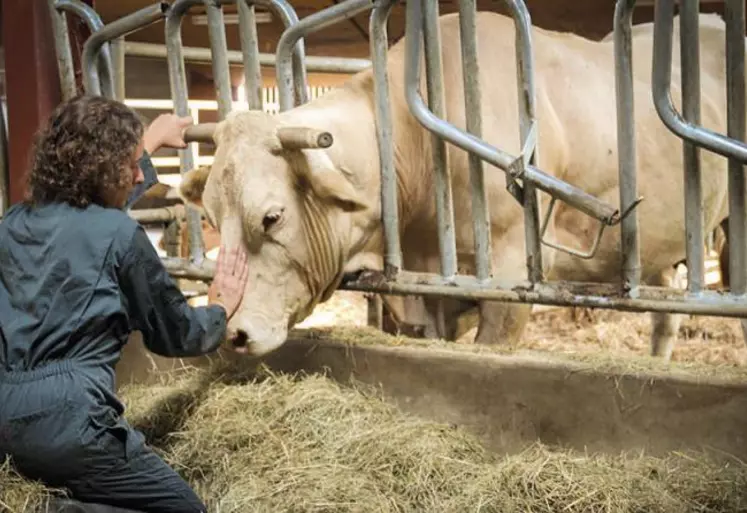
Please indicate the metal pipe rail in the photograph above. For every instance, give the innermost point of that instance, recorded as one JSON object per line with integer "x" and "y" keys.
{"x": 57, "y": 9}
{"x": 527, "y": 121}
{"x": 626, "y": 147}
{"x": 662, "y": 79}
{"x": 389, "y": 213}
{"x": 290, "y": 37}
{"x": 195, "y": 54}
{"x": 735, "y": 107}
{"x": 119, "y": 28}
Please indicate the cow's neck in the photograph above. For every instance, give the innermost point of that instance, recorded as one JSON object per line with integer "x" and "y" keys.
{"x": 348, "y": 114}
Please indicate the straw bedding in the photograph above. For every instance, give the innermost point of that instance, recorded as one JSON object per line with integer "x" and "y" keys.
{"x": 257, "y": 441}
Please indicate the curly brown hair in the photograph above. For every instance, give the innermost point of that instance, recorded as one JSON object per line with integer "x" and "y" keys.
{"x": 82, "y": 154}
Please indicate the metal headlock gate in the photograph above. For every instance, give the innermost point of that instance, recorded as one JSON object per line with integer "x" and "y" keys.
{"x": 523, "y": 177}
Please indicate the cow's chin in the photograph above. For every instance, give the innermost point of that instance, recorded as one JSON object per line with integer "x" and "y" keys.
{"x": 244, "y": 340}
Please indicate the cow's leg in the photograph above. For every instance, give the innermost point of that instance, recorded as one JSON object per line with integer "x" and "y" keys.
{"x": 664, "y": 326}
{"x": 504, "y": 323}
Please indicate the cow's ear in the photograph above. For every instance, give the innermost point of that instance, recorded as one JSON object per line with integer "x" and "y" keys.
{"x": 193, "y": 185}
{"x": 330, "y": 183}
{"x": 333, "y": 187}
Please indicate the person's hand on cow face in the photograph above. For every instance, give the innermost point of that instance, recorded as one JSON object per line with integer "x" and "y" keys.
{"x": 231, "y": 272}
{"x": 166, "y": 130}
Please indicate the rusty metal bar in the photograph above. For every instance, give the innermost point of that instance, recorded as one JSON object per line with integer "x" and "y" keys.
{"x": 575, "y": 197}
{"x": 590, "y": 295}
{"x": 434, "y": 87}
{"x": 626, "y": 146}
{"x": 121, "y": 27}
{"x": 661, "y": 83}
{"x": 389, "y": 203}
{"x": 311, "y": 23}
{"x": 473, "y": 117}
{"x": 527, "y": 121}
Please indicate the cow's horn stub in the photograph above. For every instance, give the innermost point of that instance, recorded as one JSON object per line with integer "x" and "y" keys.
{"x": 202, "y": 132}
{"x": 300, "y": 138}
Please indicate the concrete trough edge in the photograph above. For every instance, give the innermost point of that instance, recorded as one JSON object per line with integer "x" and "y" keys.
{"x": 513, "y": 401}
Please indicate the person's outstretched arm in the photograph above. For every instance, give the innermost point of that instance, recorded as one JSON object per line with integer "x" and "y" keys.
{"x": 157, "y": 308}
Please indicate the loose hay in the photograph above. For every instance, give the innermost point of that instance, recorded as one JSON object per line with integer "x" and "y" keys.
{"x": 267, "y": 442}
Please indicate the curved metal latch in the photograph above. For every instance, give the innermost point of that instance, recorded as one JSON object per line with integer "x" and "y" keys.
{"x": 595, "y": 245}
{"x": 516, "y": 168}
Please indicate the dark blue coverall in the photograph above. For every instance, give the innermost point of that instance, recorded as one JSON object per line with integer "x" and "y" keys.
{"x": 73, "y": 284}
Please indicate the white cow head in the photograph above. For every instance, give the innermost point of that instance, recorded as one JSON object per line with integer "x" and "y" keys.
{"x": 274, "y": 192}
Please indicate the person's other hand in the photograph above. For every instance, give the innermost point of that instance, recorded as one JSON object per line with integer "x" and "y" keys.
{"x": 166, "y": 130}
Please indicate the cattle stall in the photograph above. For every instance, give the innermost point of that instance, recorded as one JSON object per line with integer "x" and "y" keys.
{"x": 508, "y": 400}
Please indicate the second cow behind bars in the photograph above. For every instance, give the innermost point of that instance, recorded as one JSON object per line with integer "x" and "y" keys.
{"x": 305, "y": 217}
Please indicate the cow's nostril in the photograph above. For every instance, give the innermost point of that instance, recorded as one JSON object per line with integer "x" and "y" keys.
{"x": 240, "y": 339}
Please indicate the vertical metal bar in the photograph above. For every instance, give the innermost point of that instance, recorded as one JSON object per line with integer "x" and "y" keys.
{"x": 250, "y": 54}
{"x": 527, "y": 116}
{"x": 473, "y": 116}
{"x": 178, "y": 82}
{"x": 118, "y": 51}
{"x": 626, "y": 146}
{"x": 735, "y": 108}
{"x": 434, "y": 84}
{"x": 389, "y": 203}
{"x": 291, "y": 35}
{"x": 218, "y": 50}
{"x": 690, "y": 58}
{"x": 64, "y": 53}
{"x": 91, "y": 18}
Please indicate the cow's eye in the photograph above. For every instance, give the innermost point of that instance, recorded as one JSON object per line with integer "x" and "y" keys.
{"x": 271, "y": 218}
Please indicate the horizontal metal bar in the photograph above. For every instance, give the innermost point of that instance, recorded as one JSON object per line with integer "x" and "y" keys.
{"x": 158, "y": 215}
{"x": 590, "y": 295}
{"x": 571, "y": 195}
{"x": 661, "y": 84}
{"x": 121, "y": 27}
{"x": 310, "y": 23}
{"x": 196, "y": 54}
{"x": 183, "y": 268}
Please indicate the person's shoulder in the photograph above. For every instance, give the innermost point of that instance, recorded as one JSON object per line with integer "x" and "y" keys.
{"x": 102, "y": 226}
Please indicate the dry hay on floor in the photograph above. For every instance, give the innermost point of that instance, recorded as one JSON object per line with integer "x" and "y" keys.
{"x": 304, "y": 443}
{"x": 710, "y": 340}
